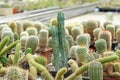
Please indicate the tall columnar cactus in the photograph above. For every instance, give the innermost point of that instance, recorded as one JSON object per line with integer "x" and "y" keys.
{"x": 95, "y": 71}
{"x": 70, "y": 40}
{"x": 82, "y": 40}
{"x": 8, "y": 33}
{"x": 13, "y": 26}
{"x": 81, "y": 54}
{"x": 107, "y": 36}
{"x": 61, "y": 37}
{"x": 96, "y": 32}
{"x": 72, "y": 52}
{"x": 101, "y": 46}
{"x": 90, "y": 26}
{"x": 43, "y": 39}
{"x": 118, "y": 35}
{"x": 111, "y": 28}
{"x": 24, "y": 33}
{"x": 106, "y": 23}
{"x": 54, "y": 22}
{"x": 27, "y": 24}
{"x": 23, "y": 41}
{"x": 75, "y": 32}
{"x": 32, "y": 42}
{"x": 38, "y": 25}
{"x": 32, "y": 31}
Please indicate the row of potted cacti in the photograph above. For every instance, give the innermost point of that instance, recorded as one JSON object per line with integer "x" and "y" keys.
{"x": 68, "y": 45}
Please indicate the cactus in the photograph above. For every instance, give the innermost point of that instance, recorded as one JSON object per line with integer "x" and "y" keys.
{"x": 19, "y": 27}
{"x": 32, "y": 42}
{"x": 41, "y": 60}
{"x": 38, "y": 25}
{"x": 108, "y": 53}
{"x": 69, "y": 28}
{"x": 17, "y": 53}
{"x": 13, "y": 26}
{"x": 60, "y": 74}
{"x": 81, "y": 54}
{"x": 117, "y": 67}
{"x": 6, "y": 29}
{"x": 66, "y": 32}
{"x": 84, "y": 26}
{"x": 43, "y": 39}
{"x": 90, "y": 26}
{"x": 28, "y": 50}
{"x": 117, "y": 52}
{"x": 27, "y": 24}
{"x": 106, "y": 23}
{"x": 32, "y": 31}
{"x": 16, "y": 37}
{"x": 118, "y": 35}
{"x": 101, "y": 46}
{"x": 8, "y": 48}
{"x": 88, "y": 37}
{"x": 23, "y": 41}
{"x": 90, "y": 57}
{"x": 50, "y": 43}
{"x": 70, "y": 40}
{"x": 72, "y": 52}
{"x": 54, "y": 22}
{"x": 75, "y": 32}
{"x": 82, "y": 40}
{"x": 24, "y": 33}
{"x": 96, "y": 32}
{"x": 84, "y": 67}
{"x": 33, "y": 70}
{"x": 81, "y": 27}
{"x": 95, "y": 71}
{"x": 11, "y": 59}
{"x": 8, "y": 33}
{"x": 107, "y": 36}
{"x": 111, "y": 28}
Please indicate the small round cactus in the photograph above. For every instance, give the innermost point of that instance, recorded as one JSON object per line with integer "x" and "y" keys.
{"x": 88, "y": 36}
{"x": 38, "y": 25}
{"x": 31, "y": 31}
{"x": 23, "y": 41}
{"x": 43, "y": 39}
{"x": 69, "y": 28}
{"x": 96, "y": 32}
{"x": 101, "y": 46}
{"x": 54, "y": 22}
{"x": 32, "y": 42}
{"x": 72, "y": 52}
{"x": 95, "y": 71}
{"x": 19, "y": 27}
{"x": 106, "y": 23}
{"x": 106, "y": 35}
{"x": 5, "y": 29}
{"x": 27, "y": 24}
{"x": 111, "y": 28}
{"x": 108, "y": 53}
{"x": 70, "y": 40}
{"x": 24, "y": 33}
{"x": 13, "y": 26}
{"x": 90, "y": 26}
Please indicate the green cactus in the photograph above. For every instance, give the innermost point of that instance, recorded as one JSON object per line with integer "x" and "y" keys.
{"x": 70, "y": 40}
{"x": 50, "y": 42}
{"x": 23, "y": 41}
{"x": 84, "y": 26}
{"x": 101, "y": 46}
{"x": 111, "y": 28}
{"x": 69, "y": 28}
{"x": 32, "y": 42}
{"x": 33, "y": 70}
{"x": 8, "y": 48}
{"x": 66, "y": 32}
{"x": 41, "y": 60}
{"x": 106, "y": 23}
{"x": 81, "y": 27}
{"x": 90, "y": 26}
{"x": 13, "y": 26}
{"x": 54, "y": 22}
{"x": 28, "y": 50}
{"x": 108, "y": 53}
{"x": 6, "y": 29}
{"x": 19, "y": 27}
{"x": 8, "y": 33}
{"x": 43, "y": 39}
{"x": 95, "y": 71}
{"x": 16, "y": 37}
{"x": 118, "y": 35}
{"x": 32, "y": 31}
{"x": 27, "y": 24}
{"x": 117, "y": 67}
{"x": 17, "y": 53}
{"x": 81, "y": 54}
{"x": 88, "y": 36}
{"x": 96, "y": 32}
{"x": 82, "y": 40}
{"x": 90, "y": 57}
{"x": 60, "y": 74}
{"x": 24, "y": 33}
{"x": 38, "y": 25}
{"x": 117, "y": 52}
{"x": 106, "y": 35}
{"x": 11, "y": 59}
{"x": 75, "y": 32}
{"x": 72, "y": 52}
{"x": 84, "y": 67}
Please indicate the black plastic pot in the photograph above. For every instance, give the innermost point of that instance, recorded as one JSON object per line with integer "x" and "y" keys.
{"x": 108, "y": 9}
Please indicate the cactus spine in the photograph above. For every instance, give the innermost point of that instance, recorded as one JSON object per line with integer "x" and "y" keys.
{"x": 101, "y": 46}
{"x": 32, "y": 42}
{"x": 95, "y": 71}
{"x": 107, "y": 36}
{"x": 96, "y": 32}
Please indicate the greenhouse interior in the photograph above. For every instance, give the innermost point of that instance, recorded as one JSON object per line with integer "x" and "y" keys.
{"x": 59, "y": 39}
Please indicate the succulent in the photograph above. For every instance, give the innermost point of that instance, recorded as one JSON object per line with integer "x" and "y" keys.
{"x": 24, "y": 33}
{"x": 16, "y": 37}
{"x": 118, "y": 35}
{"x": 13, "y": 26}
{"x": 32, "y": 42}
{"x": 95, "y": 70}
{"x": 106, "y": 35}
{"x": 108, "y": 53}
{"x": 90, "y": 26}
{"x": 96, "y": 32}
{"x": 69, "y": 28}
{"x": 66, "y": 32}
{"x": 19, "y": 27}
{"x": 117, "y": 67}
{"x": 72, "y": 52}
{"x": 54, "y": 22}
{"x": 81, "y": 27}
{"x": 23, "y": 41}
{"x": 111, "y": 28}
{"x": 70, "y": 40}
{"x": 101, "y": 46}
{"x": 90, "y": 57}
{"x": 75, "y": 32}
{"x": 6, "y": 29}
{"x": 106, "y": 23}
{"x": 43, "y": 39}
{"x": 27, "y": 24}
{"x": 38, "y": 25}
{"x": 31, "y": 31}
{"x": 89, "y": 38}
{"x": 117, "y": 52}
